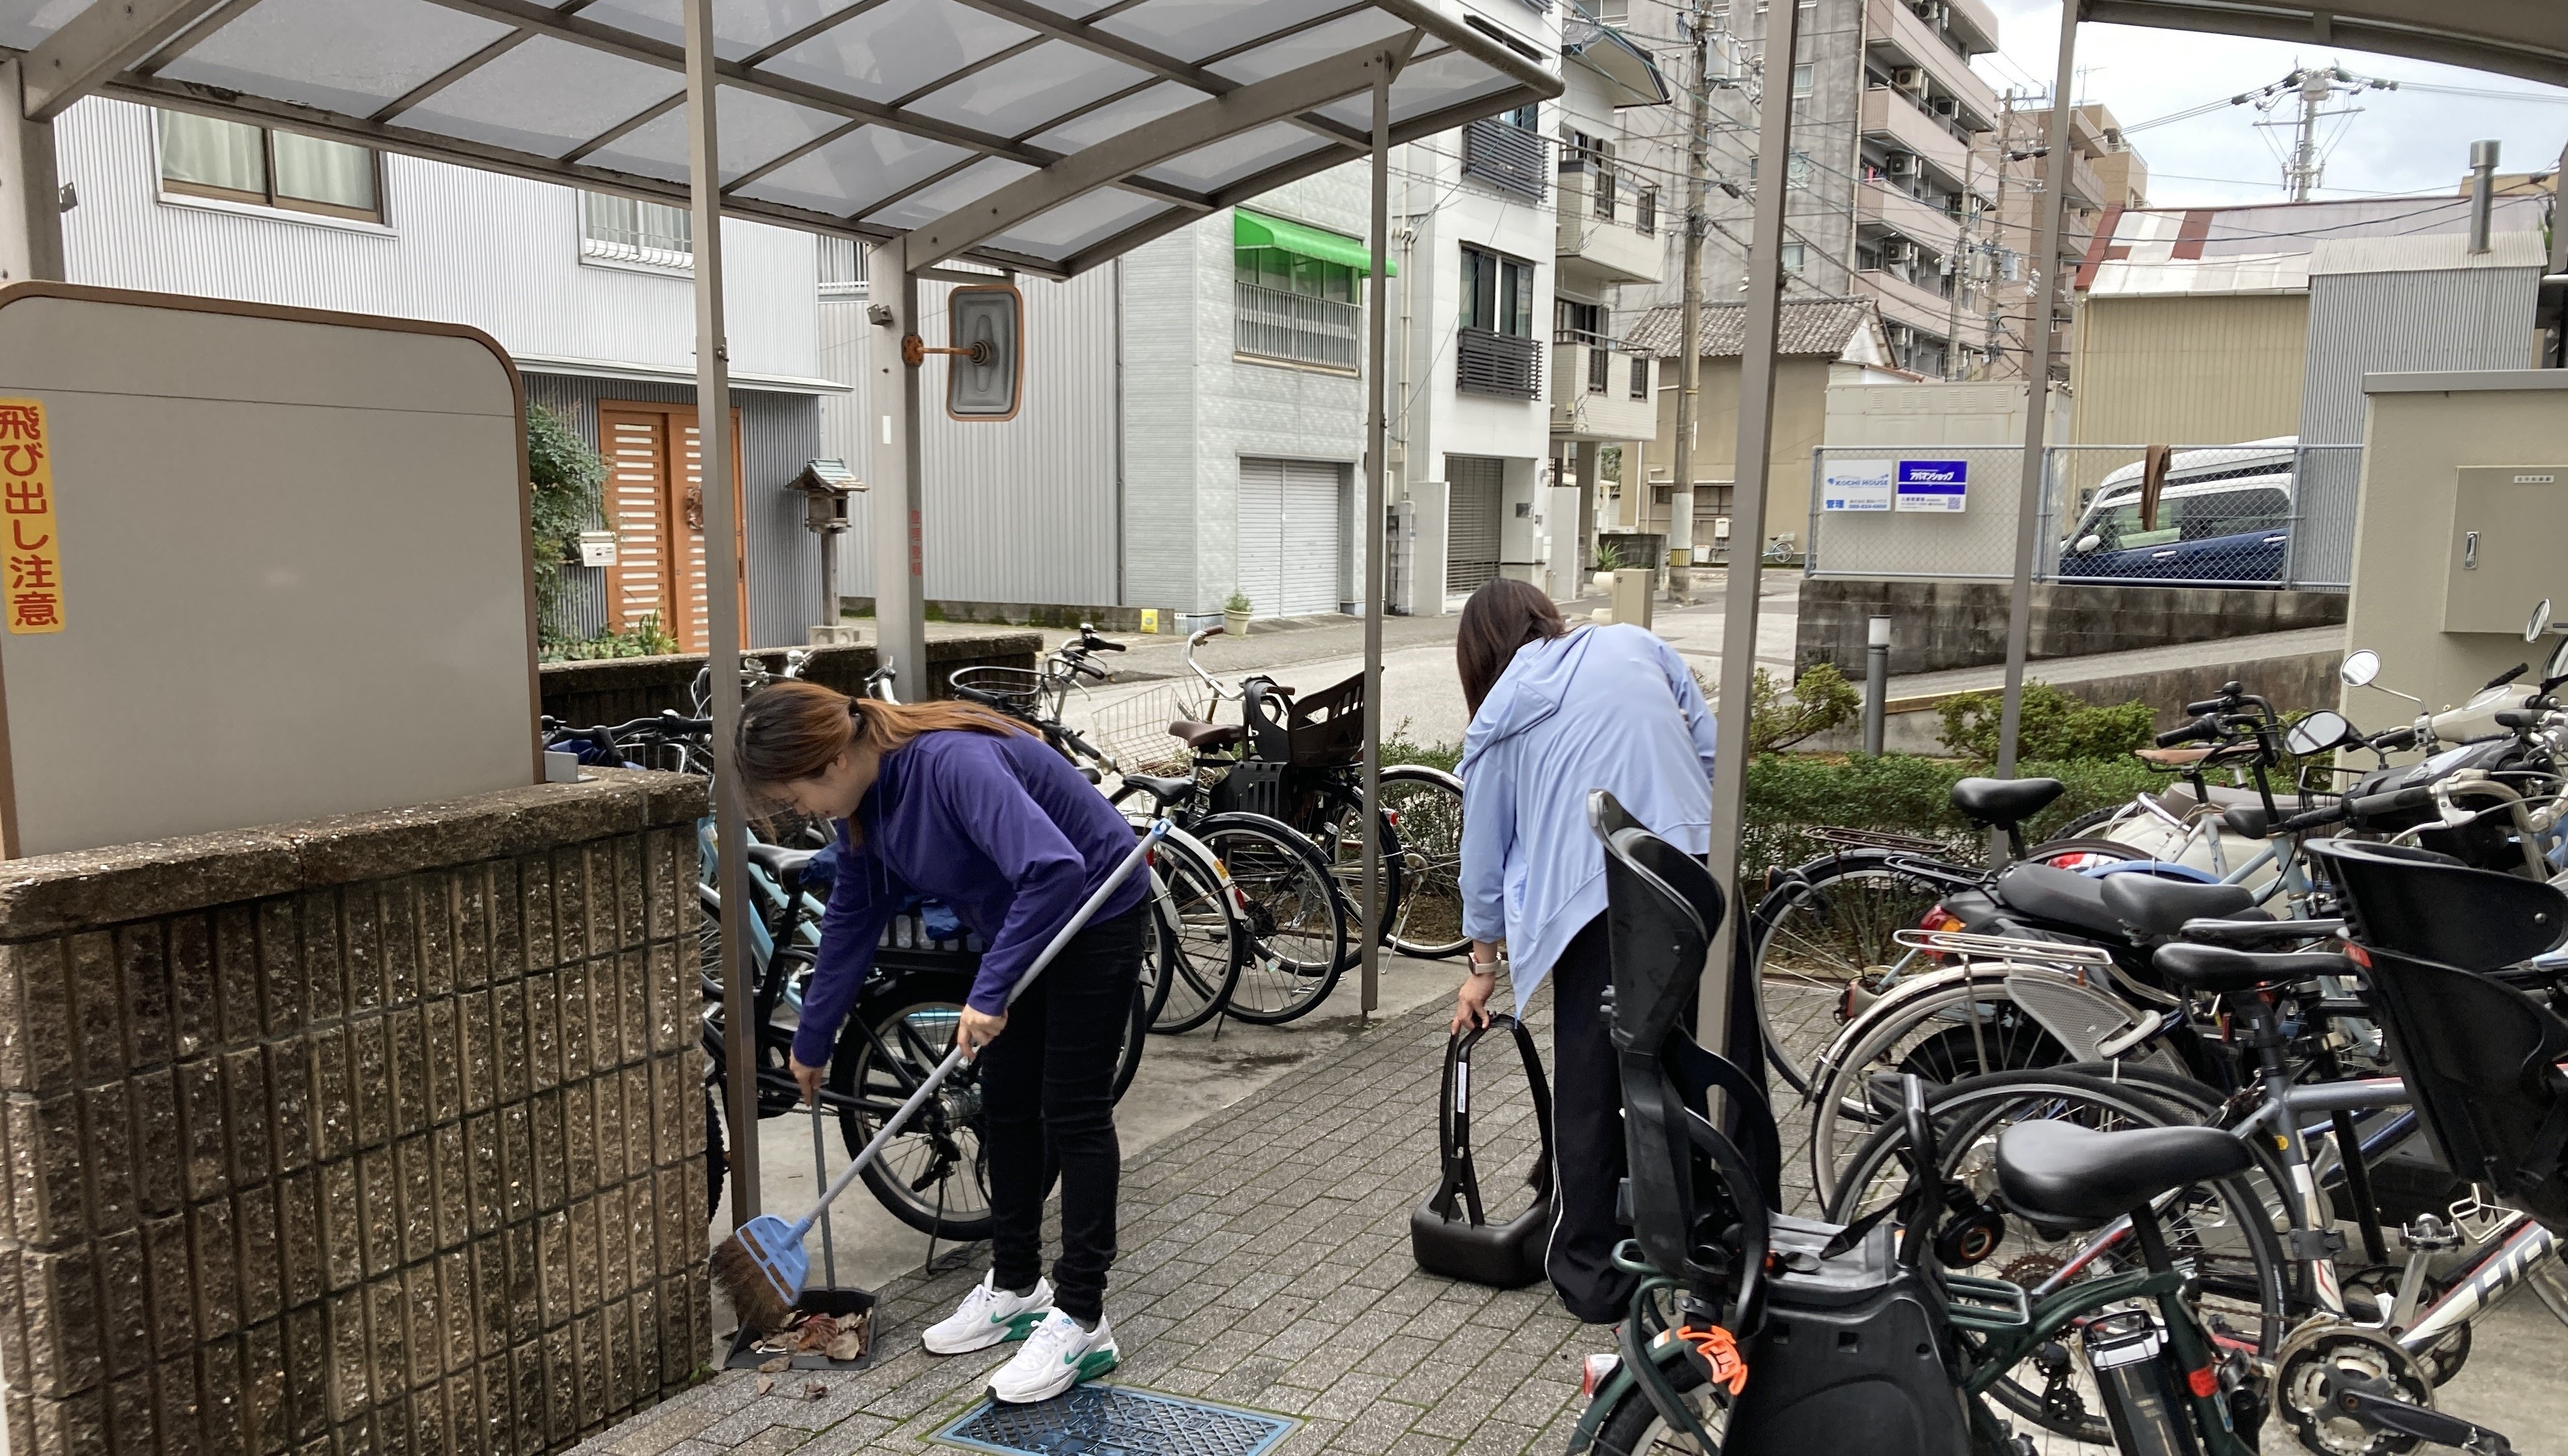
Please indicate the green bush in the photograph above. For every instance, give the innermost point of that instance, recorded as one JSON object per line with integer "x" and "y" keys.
{"x": 2056, "y": 727}
{"x": 565, "y": 476}
{"x": 1821, "y": 702}
{"x": 643, "y": 640}
{"x": 1901, "y": 793}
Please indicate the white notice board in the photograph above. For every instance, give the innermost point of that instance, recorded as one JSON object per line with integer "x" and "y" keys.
{"x": 283, "y": 572}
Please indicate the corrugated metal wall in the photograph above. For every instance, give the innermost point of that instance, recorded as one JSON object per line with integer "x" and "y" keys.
{"x": 497, "y": 253}
{"x": 1020, "y": 511}
{"x": 778, "y": 434}
{"x": 2200, "y": 371}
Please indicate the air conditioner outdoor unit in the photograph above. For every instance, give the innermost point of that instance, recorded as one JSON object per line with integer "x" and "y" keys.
{"x": 1900, "y": 255}
{"x": 1909, "y": 78}
{"x": 1946, "y": 106}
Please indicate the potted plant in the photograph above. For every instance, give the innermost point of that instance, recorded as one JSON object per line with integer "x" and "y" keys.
{"x": 1609, "y": 559}
{"x": 1234, "y": 614}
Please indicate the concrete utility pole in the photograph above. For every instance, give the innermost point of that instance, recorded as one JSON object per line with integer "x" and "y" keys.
{"x": 1997, "y": 296}
{"x": 1690, "y": 330}
{"x": 2314, "y": 87}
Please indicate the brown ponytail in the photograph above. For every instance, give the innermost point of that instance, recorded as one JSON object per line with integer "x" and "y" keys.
{"x": 793, "y": 730}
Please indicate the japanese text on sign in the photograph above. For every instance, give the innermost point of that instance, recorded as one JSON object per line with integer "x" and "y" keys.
{"x": 31, "y": 556}
{"x": 1934, "y": 485}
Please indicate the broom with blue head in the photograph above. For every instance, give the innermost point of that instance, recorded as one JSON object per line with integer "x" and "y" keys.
{"x": 761, "y": 1266}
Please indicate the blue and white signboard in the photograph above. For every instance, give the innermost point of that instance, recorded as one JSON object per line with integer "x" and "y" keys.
{"x": 1933, "y": 484}
{"x": 1855, "y": 485}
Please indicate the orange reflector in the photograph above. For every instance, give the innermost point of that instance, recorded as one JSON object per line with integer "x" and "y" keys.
{"x": 2203, "y": 1381}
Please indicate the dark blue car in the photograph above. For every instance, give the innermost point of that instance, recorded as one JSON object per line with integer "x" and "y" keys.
{"x": 2234, "y": 529}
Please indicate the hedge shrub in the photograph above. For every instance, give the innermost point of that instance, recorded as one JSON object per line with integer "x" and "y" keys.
{"x": 1904, "y": 794}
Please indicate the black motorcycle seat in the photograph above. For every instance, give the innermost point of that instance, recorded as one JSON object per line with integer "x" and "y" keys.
{"x": 1164, "y": 791}
{"x": 2159, "y": 908}
{"x": 780, "y": 862}
{"x": 2004, "y": 800}
{"x": 1205, "y": 736}
{"x": 2058, "y": 1171}
{"x": 2198, "y": 968}
{"x": 2061, "y": 897}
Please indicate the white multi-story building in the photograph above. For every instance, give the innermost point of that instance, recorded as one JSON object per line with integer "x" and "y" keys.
{"x": 592, "y": 296}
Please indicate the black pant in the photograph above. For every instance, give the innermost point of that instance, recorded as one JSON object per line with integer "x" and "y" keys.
{"x": 1048, "y": 1090}
{"x": 1586, "y": 1137}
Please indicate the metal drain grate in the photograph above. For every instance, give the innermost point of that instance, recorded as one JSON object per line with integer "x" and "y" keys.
{"x": 1108, "y": 1420}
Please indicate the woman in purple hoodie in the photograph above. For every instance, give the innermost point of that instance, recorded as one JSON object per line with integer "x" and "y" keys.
{"x": 958, "y": 804}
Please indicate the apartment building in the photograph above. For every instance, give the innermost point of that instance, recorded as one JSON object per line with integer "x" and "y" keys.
{"x": 1889, "y": 193}
{"x": 1609, "y": 247}
{"x": 2106, "y": 177}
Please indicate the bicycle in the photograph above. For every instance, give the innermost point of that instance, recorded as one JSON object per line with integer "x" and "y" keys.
{"x": 2163, "y": 1373}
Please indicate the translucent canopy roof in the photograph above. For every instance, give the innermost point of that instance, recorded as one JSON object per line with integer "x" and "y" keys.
{"x": 2526, "y": 38}
{"x": 1072, "y": 130}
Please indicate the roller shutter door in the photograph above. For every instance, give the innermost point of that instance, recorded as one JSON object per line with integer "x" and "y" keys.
{"x": 1476, "y": 492}
{"x": 1290, "y": 536}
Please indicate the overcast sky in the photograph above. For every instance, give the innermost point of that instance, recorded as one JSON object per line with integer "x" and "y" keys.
{"x": 2400, "y": 141}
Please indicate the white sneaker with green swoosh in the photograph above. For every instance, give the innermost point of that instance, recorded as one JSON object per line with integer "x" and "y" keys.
{"x": 1058, "y": 1355}
{"x": 988, "y": 1316}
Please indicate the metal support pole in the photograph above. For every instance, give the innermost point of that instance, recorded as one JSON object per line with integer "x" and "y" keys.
{"x": 2044, "y": 324}
{"x": 1748, "y": 509}
{"x": 31, "y": 208}
{"x": 721, "y": 606}
{"x": 829, "y": 604}
{"x": 1876, "y": 682}
{"x": 1376, "y": 507}
{"x": 901, "y": 596}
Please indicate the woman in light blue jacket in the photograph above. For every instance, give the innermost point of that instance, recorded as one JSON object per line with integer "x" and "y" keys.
{"x": 1557, "y": 714}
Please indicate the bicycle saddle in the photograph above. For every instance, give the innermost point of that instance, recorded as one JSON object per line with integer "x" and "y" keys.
{"x": 2004, "y": 800}
{"x": 2159, "y": 908}
{"x": 1164, "y": 791}
{"x": 2220, "y": 968}
{"x": 780, "y": 862}
{"x": 2059, "y": 1171}
{"x": 1202, "y": 736}
{"x": 2060, "y": 897}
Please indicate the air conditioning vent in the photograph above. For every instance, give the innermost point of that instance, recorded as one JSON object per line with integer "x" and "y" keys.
{"x": 1909, "y": 78}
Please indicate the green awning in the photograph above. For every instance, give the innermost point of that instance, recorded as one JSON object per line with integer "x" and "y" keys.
{"x": 1256, "y": 230}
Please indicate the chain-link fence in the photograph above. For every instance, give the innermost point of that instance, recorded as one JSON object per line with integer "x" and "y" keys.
{"x": 2254, "y": 515}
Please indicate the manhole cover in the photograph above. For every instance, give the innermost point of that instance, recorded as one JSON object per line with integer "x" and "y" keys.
{"x": 1108, "y": 1420}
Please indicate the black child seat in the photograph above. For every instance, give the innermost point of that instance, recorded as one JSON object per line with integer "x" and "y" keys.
{"x": 2482, "y": 1059}
{"x": 1452, "y": 1234}
{"x": 1835, "y": 1338}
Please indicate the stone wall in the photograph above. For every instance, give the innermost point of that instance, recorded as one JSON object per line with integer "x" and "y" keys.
{"x": 621, "y": 689}
{"x": 1940, "y": 624}
{"x": 378, "y": 1134}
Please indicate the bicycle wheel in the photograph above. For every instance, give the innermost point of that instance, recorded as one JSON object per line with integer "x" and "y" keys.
{"x": 1426, "y": 809}
{"x": 935, "y": 1175}
{"x": 1196, "y": 947}
{"x": 1943, "y": 1035}
{"x": 1825, "y": 930}
{"x": 1296, "y": 921}
{"x": 2223, "y": 1231}
{"x": 1333, "y": 829}
{"x": 1635, "y": 1428}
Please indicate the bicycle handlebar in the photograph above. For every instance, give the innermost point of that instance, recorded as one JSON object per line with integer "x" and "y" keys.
{"x": 2200, "y": 728}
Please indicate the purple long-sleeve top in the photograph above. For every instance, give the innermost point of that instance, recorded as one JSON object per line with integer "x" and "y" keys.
{"x": 1001, "y": 828}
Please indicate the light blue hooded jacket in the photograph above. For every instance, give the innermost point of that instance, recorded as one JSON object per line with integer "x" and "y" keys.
{"x": 1605, "y": 707}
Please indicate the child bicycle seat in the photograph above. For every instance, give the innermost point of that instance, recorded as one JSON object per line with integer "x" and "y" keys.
{"x": 2480, "y": 1059}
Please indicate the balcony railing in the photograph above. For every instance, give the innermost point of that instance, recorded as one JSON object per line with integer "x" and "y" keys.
{"x": 1506, "y": 157}
{"x": 1296, "y": 327}
{"x": 1601, "y": 353}
{"x": 1495, "y": 363}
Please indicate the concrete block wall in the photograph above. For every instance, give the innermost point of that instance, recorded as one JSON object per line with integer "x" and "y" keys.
{"x": 378, "y": 1134}
{"x": 1942, "y": 623}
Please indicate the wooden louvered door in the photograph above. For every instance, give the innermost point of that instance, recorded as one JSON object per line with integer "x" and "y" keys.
{"x": 655, "y": 503}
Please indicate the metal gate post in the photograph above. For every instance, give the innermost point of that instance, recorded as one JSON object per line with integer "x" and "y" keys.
{"x": 722, "y": 604}
{"x": 1369, "y": 987}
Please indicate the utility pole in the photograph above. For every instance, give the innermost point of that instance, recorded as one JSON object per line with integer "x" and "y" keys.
{"x": 2004, "y": 165}
{"x": 2315, "y": 87}
{"x": 1690, "y": 329}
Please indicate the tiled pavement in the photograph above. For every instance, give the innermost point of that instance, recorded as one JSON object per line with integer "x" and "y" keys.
{"x": 1265, "y": 1264}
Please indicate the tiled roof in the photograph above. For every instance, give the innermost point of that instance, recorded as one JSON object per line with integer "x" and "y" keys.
{"x": 1817, "y": 328}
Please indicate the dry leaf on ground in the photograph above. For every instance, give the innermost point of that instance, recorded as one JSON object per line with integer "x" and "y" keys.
{"x": 765, "y": 1383}
{"x": 775, "y": 1366}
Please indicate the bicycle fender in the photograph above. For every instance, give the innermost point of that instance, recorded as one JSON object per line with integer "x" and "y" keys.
{"x": 2090, "y": 1002}
{"x": 1618, "y": 1385}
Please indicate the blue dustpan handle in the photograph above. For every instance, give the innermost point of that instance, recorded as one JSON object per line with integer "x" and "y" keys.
{"x": 954, "y": 1058}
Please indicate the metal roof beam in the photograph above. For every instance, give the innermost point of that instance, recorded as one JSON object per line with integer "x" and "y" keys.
{"x": 1277, "y": 99}
{"x": 96, "y": 45}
